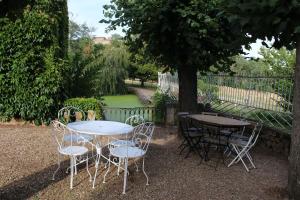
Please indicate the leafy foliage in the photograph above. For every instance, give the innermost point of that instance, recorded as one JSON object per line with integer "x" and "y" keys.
{"x": 142, "y": 67}
{"x": 81, "y": 52}
{"x": 98, "y": 69}
{"x": 109, "y": 70}
{"x": 186, "y": 35}
{"x": 250, "y": 67}
{"x": 32, "y": 50}
{"x": 86, "y": 104}
{"x": 207, "y": 90}
{"x": 160, "y": 101}
{"x": 281, "y": 63}
{"x": 276, "y": 19}
{"x": 143, "y": 72}
{"x": 196, "y": 32}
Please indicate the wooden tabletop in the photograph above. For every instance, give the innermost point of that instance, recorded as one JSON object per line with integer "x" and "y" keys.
{"x": 218, "y": 121}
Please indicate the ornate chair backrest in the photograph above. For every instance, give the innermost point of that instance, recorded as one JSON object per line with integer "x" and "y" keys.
{"x": 143, "y": 137}
{"x": 254, "y": 135}
{"x": 70, "y": 114}
{"x": 183, "y": 124}
{"x": 59, "y": 130}
{"x": 135, "y": 120}
{"x": 91, "y": 115}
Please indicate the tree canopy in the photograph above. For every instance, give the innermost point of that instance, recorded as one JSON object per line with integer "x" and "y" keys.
{"x": 185, "y": 35}
{"x": 196, "y": 32}
{"x": 109, "y": 69}
{"x": 277, "y": 19}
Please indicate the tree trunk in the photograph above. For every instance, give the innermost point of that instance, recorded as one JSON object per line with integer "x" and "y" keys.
{"x": 187, "y": 88}
{"x": 142, "y": 82}
{"x": 294, "y": 158}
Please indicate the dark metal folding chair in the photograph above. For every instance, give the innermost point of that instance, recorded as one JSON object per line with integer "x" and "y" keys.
{"x": 191, "y": 137}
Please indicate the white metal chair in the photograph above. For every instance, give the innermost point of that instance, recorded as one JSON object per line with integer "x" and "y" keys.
{"x": 242, "y": 147}
{"x": 70, "y": 114}
{"x": 142, "y": 140}
{"x": 135, "y": 120}
{"x": 59, "y": 130}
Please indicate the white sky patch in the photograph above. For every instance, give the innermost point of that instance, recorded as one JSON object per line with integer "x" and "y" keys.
{"x": 254, "y": 51}
{"x": 90, "y": 12}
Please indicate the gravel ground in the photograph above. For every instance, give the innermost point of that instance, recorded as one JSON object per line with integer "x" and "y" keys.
{"x": 28, "y": 159}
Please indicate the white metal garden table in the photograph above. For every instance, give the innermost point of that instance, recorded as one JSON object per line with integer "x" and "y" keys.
{"x": 101, "y": 128}
{"x": 109, "y": 129}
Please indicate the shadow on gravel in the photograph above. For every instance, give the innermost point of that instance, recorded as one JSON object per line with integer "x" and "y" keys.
{"x": 28, "y": 186}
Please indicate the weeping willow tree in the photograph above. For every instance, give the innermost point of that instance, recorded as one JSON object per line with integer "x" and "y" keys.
{"x": 110, "y": 67}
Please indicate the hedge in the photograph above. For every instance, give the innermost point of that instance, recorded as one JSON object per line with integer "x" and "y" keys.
{"x": 33, "y": 51}
{"x": 86, "y": 104}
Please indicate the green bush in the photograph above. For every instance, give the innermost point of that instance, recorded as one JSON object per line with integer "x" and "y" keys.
{"x": 160, "y": 100}
{"x": 32, "y": 53}
{"x": 86, "y": 104}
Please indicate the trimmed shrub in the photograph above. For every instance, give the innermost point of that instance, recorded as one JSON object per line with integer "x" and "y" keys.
{"x": 86, "y": 104}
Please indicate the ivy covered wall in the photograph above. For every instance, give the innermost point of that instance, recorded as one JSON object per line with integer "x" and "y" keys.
{"x": 33, "y": 52}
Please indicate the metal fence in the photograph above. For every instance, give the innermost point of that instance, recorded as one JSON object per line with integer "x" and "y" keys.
{"x": 168, "y": 83}
{"x": 121, "y": 114}
{"x": 261, "y": 98}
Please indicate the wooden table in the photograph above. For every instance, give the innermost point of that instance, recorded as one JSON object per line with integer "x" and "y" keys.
{"x": 219, "y": 121}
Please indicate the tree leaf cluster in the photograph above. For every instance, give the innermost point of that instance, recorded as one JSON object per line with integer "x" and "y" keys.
{"x": 271, "y": 19}
{"x": 109, "y": 70}
{"x": 32, "y": 59}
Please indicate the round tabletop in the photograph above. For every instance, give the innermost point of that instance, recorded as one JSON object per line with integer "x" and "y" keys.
{"x": 219, "y": 121}
{"x": 103, "y": 128}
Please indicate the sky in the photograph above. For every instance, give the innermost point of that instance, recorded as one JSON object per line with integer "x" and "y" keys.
{"x": 91, "y": 12}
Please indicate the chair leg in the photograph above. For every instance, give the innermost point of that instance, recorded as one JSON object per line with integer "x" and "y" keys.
{"x": 147, "y": 183}
{"x": 72, "y": 171}
{"x": 236, "y": 158}
{"x": 107, "y": 169}
{"x": 58, "y": 166}
{"x": 250, "y": 159}
{"x": 87, "y": 167}
{"x": 125, "y": 175}
{"x": 119, "y": 166}
{"x": 105, "y": 166}
{"x": 75, "y": 166}
{"x": 182, "y": 149}
{"x": 136, "y": 166}
{"x": 96, "y": 166}
{"x": 244, "y": 164}
{"x": 183, "y": 143}
{"x": 188, "y": 153}
{"x": 92, "y": 151}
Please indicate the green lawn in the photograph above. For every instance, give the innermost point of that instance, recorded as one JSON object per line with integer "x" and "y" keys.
{"x": 123, "y": 101}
